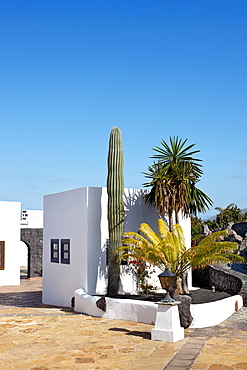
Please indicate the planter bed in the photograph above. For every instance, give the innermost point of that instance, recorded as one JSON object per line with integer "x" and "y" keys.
{"x": 127, "y": 308}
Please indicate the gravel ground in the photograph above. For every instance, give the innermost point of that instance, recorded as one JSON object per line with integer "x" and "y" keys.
{"x": 206, "y": 295}
{"x": 198, "y": 296}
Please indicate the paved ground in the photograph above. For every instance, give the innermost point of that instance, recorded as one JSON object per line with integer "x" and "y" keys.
{"x": 34, "y": 336}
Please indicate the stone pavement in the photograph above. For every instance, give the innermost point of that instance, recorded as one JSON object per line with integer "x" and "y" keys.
{"x": 34, "y": 336}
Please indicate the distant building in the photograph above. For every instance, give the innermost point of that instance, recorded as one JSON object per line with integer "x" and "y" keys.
{"x": 32, "y": 219}
{"x": 31, "y": 246}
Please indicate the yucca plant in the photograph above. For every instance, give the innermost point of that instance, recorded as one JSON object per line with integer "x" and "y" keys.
{"x": 167, "y": 249}
{"x": 173, "y": 179}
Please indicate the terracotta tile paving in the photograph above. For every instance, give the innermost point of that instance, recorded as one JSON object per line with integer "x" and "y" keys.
{"x": 34, "y": 336}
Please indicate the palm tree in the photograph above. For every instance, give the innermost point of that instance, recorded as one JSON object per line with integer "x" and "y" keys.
{"x": 173, "y": 180}
{"x": 167, "y": 248}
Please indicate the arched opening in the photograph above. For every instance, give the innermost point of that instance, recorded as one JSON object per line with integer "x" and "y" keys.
{"x": 24, "y": 260}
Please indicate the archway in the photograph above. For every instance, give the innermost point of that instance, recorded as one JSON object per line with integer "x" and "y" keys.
{"x": 24, "y": 260}
{"x": 33, "y": 238}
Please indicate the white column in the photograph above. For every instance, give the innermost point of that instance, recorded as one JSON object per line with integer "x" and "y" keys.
{"x": 167, "y": 324}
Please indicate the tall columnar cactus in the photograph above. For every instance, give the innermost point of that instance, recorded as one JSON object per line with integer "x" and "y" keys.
{"x": 115, "y": 191}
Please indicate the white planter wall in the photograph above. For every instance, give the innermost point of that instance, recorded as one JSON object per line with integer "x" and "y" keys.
{"x": 10, "y": 233}
{"x": 204, "y": 314}
{"x": 81, "y": 216}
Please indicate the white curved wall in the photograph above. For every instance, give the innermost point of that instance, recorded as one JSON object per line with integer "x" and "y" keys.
{"x": 205, "y": 314}
{"x": 213, "y": 313}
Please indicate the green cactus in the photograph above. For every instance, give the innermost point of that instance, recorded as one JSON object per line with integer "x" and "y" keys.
{"x": 115, "y": 191}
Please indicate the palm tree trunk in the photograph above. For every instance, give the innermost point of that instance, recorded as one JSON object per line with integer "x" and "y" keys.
{"x": 177, "y": 287}
{"x": 170, "y": 219}
{"x": 184, "y": 283}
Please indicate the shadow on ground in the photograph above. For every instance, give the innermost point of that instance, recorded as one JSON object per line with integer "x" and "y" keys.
{"x": 27, "y": 300}
{"x": 142, "y": 334}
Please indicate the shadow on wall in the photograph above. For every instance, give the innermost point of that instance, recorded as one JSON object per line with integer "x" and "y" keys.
{"x": 97, "y": 236}
{"x": 136, "y": 212}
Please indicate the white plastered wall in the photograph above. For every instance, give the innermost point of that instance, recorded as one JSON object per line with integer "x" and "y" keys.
{"x": 81, "y": 216}
{"x": 65, "y": 217}
{"x": 186, "y": 226}
{"x": 10, "y": 233}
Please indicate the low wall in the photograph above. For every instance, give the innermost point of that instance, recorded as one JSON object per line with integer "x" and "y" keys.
{"x": 213, "y": 313}
{"x": 118, "y": 309}
{"x": 223, "y": 278}
{"x": 204, "y": 315}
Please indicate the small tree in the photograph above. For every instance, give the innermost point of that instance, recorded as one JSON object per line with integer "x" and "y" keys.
{"x": 173, "y": 178}
{"x": 167, "y": 248}
{"x": 196, "y": 226}
{"x": 231, "y": 213}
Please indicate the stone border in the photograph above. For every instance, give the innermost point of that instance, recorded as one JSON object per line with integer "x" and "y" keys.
{"x": 186, "y": 355}
{"x": 223, "y": 278}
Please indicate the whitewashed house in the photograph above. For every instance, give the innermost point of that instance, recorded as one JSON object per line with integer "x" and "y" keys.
{"x": 9, "y": 243}
{"x": 32, "y": 219}
{"x": 75, "y": 237}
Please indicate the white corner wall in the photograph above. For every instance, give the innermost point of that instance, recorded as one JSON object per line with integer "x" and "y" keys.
{"x": 81, "y": 216}
{"x": 65, "y": 217}
{"x": 10, "y": 233}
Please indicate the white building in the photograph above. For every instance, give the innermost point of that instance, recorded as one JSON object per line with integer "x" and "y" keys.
{"x": 32, "y": 219}
{"x": 9, "y": 243}
{"x": 75, "y": 241}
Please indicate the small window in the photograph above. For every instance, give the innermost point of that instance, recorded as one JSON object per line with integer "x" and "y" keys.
{"x": 65, "y": 251}
{"x": 2, "y": 250}
{"x": 55, "y": 250}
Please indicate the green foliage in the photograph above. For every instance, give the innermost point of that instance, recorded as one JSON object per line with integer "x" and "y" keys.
{"x": 197, "y": 239}
{"x": 212, "y": 251}
{"x": 229, "y": 214}
{"x": 167, "y": 248}
{"x": 196, "y": 226}
{"x": 162, "y": 249}
{"x": 173, "y": 178}
{"x": 210, "y": 223}
{"x": 143, "y": 273}
{"x": 115, "y": 190}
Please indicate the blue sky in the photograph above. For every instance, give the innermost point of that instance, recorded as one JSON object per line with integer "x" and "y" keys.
{"x": 73, "y": 69}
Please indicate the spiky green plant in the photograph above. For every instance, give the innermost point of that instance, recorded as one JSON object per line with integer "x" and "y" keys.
{"x": 115, "y": 191}
{"x": 173, "y": 181}
{"x": 167, "y": 248}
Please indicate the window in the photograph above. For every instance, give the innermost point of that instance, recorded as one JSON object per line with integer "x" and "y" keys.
{"x": 65, "y": 251}
{"x": 55, "y": 250}
{"x": 2, "y": 250}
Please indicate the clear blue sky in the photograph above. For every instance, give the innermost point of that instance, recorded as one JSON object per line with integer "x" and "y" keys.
{"x": 73, "y": 69}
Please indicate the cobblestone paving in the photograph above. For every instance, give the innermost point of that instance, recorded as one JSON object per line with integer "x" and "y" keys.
{"x": 34, "y": 336}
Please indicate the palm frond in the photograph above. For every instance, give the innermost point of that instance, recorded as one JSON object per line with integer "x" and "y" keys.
{"x": 148, "y": 233}
{"x": 219, "y": 235}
